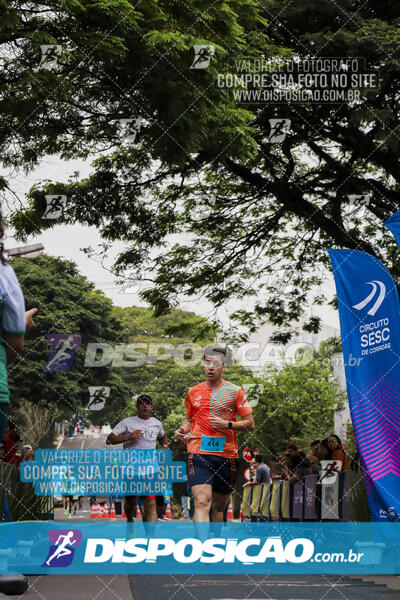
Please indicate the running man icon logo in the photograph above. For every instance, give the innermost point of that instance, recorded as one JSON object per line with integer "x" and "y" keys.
{"x": 62, "y": 351}
{"x": 279, "y": 130}
{"x": 254, "y": 390}
{"x": 203, "y": 54}
{"x": 98, "y": 396}
{"x": 55, "y": 206}
{"x": 131, "y": 282}
{"x": 61, "y": 552}
{"x": 129, "y": 128}
{"x": 359, "y": 199}
{"x": 370, "y": 297}
{"x": 50, "y": 55}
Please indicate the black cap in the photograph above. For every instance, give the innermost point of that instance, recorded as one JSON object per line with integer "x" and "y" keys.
{"x": 144, "y": 399}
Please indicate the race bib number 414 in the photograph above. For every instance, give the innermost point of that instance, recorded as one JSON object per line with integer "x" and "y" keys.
{"x": 212, "y": 444}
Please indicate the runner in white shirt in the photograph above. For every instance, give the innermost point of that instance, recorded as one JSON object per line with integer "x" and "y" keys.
{"x": 140, "y": 432}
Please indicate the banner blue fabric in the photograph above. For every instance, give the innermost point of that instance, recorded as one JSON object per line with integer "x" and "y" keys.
{"x": 393, "y": 224}
{"x": 369, "y": 313}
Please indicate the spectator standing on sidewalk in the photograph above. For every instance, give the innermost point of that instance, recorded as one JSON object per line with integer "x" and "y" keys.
{"x": 262, "y": 474}
{"x": 337, "y": 452}
{"x": 27, "y": 452}
{"x": 14, "y": 322}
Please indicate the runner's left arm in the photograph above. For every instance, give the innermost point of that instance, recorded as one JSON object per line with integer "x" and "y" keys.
{"x": 246, "y": 423}
{"x": 244, "y": 411}
{"x": 164, "y": 441}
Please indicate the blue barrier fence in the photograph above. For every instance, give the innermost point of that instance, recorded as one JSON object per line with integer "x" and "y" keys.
{"x": 308, "y": 500}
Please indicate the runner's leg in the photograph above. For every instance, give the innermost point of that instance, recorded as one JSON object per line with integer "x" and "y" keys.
{"x": 130, "y": 508}
{"x": 225, "y": 474}
{"x": 149, "y": 509}
{"x": 219, "y": 503}
{"x": 202, "y": 494}
{"x": 160, "y": 506}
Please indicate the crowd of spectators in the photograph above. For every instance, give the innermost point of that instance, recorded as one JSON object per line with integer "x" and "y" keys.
{"x": 294, "y": 464}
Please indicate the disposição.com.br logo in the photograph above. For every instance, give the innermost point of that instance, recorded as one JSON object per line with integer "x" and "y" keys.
{"x": 62, "y": 547}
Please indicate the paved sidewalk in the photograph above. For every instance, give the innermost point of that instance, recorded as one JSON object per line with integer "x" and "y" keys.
{"x": 77, "y": 587}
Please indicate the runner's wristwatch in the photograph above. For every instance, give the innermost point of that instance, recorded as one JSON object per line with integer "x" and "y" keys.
{"x": 230, "y": 425}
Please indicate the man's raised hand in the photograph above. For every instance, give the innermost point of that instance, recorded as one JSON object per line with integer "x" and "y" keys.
{"x": 180, "y": 433}
{"x": 136, "y": 434}
{"x": 29, "y": 323}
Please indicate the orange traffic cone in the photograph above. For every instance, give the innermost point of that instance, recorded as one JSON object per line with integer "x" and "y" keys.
{"x": 230, "y": 512}
{"x": 105, "y": 511}
{"x": 112, "y": 513}
{"x": 168, "y": 511}
{"x": 124, "y": 515}
{"x": 138, "y": 513}
{"x": 94, "y": 511}
{"x": 183, "y": 514}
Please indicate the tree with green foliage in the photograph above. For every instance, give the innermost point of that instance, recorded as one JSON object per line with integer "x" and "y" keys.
{"x": 118, "y": 60}
{"x": 297, "y": 405}
{"x": 67, "y": 303}
{"x": 256, "y": 217}
{"x": 140, "y": 324}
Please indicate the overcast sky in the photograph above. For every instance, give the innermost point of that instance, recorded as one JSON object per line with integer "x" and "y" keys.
{"x": 66, "y": 241}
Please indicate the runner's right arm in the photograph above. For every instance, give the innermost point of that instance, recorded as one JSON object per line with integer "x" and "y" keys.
{"x": 120, "y": 439}
{"x": 187, "y": 422}
{"x": 184, "y": 428}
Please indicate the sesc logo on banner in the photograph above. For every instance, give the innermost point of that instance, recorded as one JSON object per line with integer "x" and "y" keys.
{"x": 375, "y": 296}
{"x": 375, "y": 335}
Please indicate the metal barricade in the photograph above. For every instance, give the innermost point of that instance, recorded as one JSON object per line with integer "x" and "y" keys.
{"x": 18, "y": 501}
{"x": 246, "y": 502}
{"x": 342, "y": 499}
{"x": 265, "y": 501}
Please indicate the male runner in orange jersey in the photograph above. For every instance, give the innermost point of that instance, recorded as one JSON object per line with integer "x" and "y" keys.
{"x": 210, "y": 430}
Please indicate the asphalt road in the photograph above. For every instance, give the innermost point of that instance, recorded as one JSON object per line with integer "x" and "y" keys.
{"x": 79, "y": 442}
{"x": 259, "y": 587}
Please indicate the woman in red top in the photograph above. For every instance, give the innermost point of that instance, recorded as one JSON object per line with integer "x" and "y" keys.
{"x": 337, "y": 452}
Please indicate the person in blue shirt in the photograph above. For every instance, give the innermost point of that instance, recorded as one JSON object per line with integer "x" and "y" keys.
{"x": 14, "y": 322}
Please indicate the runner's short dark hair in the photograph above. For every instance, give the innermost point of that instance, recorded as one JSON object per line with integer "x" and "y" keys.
{"x": 258, "y": 458}
{"x": 144, "y": 399}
